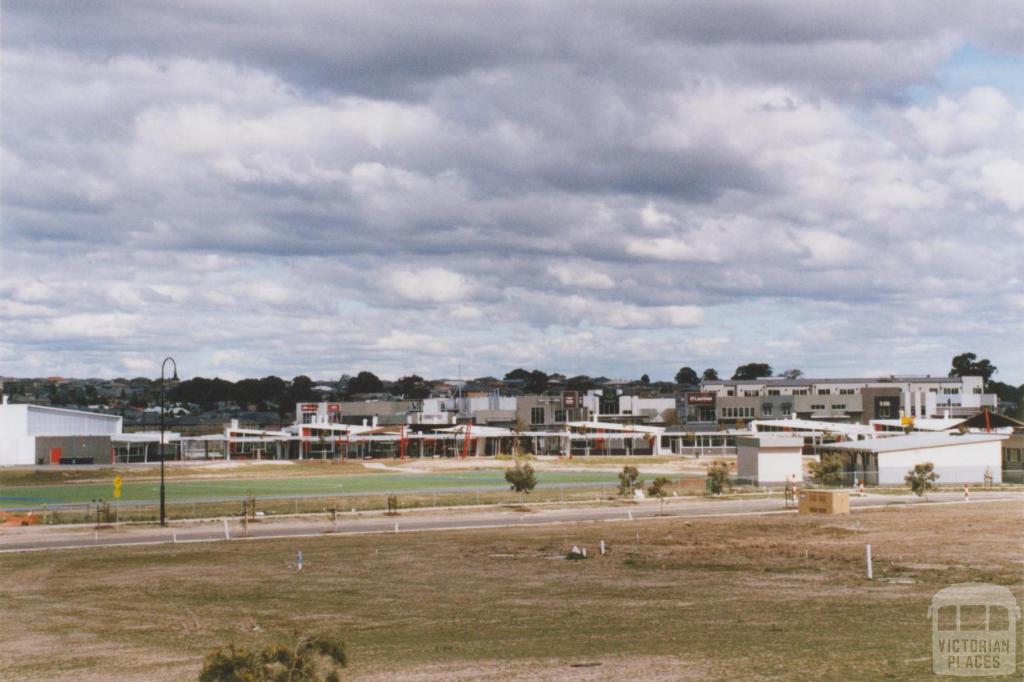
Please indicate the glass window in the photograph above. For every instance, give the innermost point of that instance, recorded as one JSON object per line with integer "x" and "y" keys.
{"x": 536, "y": 415}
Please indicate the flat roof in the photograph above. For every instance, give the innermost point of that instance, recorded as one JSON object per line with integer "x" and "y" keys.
{"x": 615, "y": 426}
{"x": 916, "y": 441}
{"x": 771, "y": 440}
{"x": 802, "y": 381}
{"x": 812, "y": 425}
{"x": 924, "y": 423}
{"x": 64, "y": 410}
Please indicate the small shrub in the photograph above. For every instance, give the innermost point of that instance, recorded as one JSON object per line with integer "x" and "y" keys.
{"x": 228, "y": 664}
{"x": 718, "y": 477}
{"x": 313, "y": 658}
{"x": 521, "y": 478}
{"x": 828, "y": 470}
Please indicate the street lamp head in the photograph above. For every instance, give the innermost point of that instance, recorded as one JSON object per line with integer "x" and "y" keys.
{"x": 175, "y": 377}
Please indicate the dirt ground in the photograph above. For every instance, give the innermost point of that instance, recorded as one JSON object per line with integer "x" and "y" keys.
{"x": 757, "y": 597}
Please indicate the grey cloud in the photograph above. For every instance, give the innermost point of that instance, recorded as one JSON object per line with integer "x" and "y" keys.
{"x": 268, "y": 180}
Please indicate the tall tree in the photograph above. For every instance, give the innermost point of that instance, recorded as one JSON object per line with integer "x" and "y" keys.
{"x": 644, "y": 379}
{"x": 537, "y": 382}
{"x": 301, "y": 391}
{"x": 968, "y": 365}
{"x": 412, "y": 387}
{"x": 580, "y": 382}
{"x": 753, "y": 370}
{"x": 365, "y": 382}
{"x": 688, "y": 377}
{"x": 710, "y": 374}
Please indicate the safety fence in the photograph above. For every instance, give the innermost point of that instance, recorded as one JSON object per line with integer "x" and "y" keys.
{"x": 270, "y": 505}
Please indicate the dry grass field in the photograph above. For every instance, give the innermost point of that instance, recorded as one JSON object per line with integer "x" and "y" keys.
{"x": 758, "y": 597}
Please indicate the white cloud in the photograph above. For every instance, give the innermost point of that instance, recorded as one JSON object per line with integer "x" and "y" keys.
{"x": 431, "y": 285}
{"x": 580, "y": 275}
{"x": 1003, "y": 180}
{"x": 655, "y": 219}
{"x": 673, "y": 249}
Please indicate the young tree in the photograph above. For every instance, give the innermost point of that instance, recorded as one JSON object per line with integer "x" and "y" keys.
{"x": 670, "y": 417}
{"x": 517, "y": 428}
{"x": 686, "y": 376}
{"x": 521, "y": 477}
{"x": 659, "y": 489}
{"x": 629, "y": 480}
{"x": 922, "y": 478}
{"x": 718, "y": 477}
{"x": 828, "y": 470}
{"x": 753, "y": 370}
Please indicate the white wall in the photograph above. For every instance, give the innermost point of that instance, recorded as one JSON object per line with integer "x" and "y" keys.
{"x": 13, "y": 421}
{"x": 20, "y": 424}
{"x": 16, "y": 447}
{"x": 965, "y": 463}
{"x": 17, "y": 450}
{"x": 769, "y": 460}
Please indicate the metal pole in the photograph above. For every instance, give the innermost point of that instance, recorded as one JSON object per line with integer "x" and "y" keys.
{"x": 163, "y": 451}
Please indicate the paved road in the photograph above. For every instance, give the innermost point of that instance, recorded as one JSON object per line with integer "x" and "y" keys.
{"x": 72, "y": 537}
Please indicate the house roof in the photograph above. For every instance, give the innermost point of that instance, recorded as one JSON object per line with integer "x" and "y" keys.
{"x": 813, "y": 425}
{"x": 917, "y": 441}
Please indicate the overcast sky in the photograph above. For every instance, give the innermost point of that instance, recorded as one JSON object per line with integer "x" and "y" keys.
{"x": 594, "y": 187}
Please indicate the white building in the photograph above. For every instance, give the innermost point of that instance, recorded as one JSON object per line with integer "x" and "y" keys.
{"x": 957, "y": 458}
{"x": 769, "y": 460}
{"x": 849, "y": 399}
{"x": 36, "y": 434}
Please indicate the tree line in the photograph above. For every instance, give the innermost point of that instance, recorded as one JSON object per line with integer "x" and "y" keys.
{"x": 275, "y": 393}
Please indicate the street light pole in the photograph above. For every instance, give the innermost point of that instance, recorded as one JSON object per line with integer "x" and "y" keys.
{"x": 163, "y": 517}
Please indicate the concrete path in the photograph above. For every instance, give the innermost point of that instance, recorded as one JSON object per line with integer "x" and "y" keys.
{"x": 72, "y": 537}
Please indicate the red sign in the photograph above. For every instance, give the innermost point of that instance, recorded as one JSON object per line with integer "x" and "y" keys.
{"x": 308, "y": 407}
{"x": 570, "y": 399}
{"x": 334, "y": 407}
{"x": 706, "y": 398}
